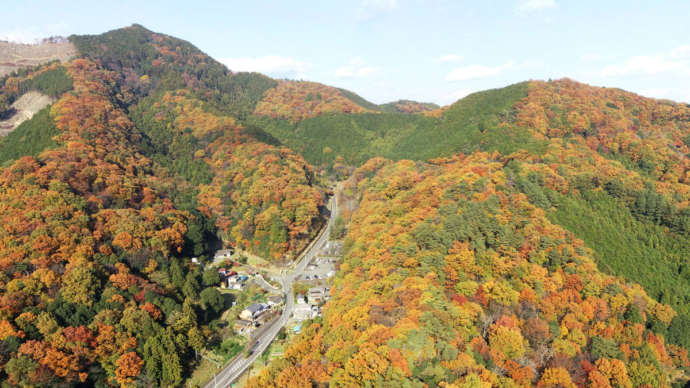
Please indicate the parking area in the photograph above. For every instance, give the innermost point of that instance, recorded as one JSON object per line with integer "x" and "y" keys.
{"x": 319, "y": 268}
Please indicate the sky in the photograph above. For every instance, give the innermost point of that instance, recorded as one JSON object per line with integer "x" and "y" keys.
{"x": 385, "y": 50}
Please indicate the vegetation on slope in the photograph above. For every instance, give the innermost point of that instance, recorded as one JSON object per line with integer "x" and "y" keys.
{"x": 451, "y": 277}
{"x": 297, "y": 100}
{"x": 189, "y": 108}
{"x": 50, "y": 79}
{"x": 407, "y": 106}
{"x": 93, "y": 288}
{"x": 477, "y": 122}
{"x": 95, "y": 282}
{"x": 30, "y": 138}
{"x": 618, "y": 180}
{"x": 152, "y": 61}
{"x": 262, "y": 198}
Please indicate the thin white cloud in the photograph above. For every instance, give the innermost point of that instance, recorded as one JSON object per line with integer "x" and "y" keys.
{"x": 476, "y": 71}
{"x": 666, "y": 93}
{"x": 369, "y": 9}
{"x": 592, "y": 57}
{"x": 641, "y": 65}
{"x": 450, "y": 58}
{"x": 535, "y": 5}
{"x": 676, "y": 61}
{"x": 682, "y": 52}
{"x": 380, "y": 5}
{"x": 355, "y": 72}
{"x": 356, "y": 68}
{"x": 270, "y": 64}
{"x": 33, "y": 34}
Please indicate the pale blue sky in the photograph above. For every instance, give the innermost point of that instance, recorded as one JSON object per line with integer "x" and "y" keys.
{"x": 384, "y": 50}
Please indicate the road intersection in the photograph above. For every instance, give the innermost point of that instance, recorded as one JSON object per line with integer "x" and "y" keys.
{"x": 237, "y": 366}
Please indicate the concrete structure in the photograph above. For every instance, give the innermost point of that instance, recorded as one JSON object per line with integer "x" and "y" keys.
{"x": 235, "y": 281}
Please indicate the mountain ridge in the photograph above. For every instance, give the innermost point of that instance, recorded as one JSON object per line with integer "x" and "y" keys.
{"x": 535, "y": 234}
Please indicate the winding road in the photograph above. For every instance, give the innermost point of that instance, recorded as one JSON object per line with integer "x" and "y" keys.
{"x": 236, "y": 367}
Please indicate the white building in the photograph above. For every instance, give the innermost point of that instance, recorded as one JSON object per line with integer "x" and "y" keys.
{"x": 253, "y": 311}
{"x": 223, "y": 254}
{"x": 302, "y": 311}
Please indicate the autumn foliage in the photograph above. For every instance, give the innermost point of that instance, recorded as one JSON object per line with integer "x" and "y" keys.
{"x": 297, "y": 100}
{"x": 453, "y": 278}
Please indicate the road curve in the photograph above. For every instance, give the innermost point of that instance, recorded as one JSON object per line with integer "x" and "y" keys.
{"x": 235, "y": 368}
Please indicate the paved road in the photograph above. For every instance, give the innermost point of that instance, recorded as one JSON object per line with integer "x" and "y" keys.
{"x": 236, "y": 367}
{"x": 261, "y": 282}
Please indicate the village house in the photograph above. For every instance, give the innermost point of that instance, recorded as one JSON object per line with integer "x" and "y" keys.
{"x": 274, "y": 300}
{"x": 302, "y": 311}
{"x": 253, "y": 311}
{"x": 223, "y": 254}
{"x": 235, "y": 281}
{"x": 243, "y": 327}
{"x": 318, "y": 295}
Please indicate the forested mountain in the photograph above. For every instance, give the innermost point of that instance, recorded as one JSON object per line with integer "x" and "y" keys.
{"x": 453, "y": 278}
{"x": 592, "y": 175}
{"x": 536, "y": 234}
{"x": 107, "y": 195}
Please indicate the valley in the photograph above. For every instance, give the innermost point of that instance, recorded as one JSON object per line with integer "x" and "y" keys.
{"x": 167, "y": 221}
{"x": 287, "y": 276}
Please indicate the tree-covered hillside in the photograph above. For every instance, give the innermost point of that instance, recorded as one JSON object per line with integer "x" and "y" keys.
{"x": 536, "y": 234}
{"x": 478, "y": 122}
{"x": 607, "y": 166}
{"x": 453, "y": 277}
{"x": 407, "y": 106}
{"x": 107, "y": 196}
{"x": 152, "y": 61}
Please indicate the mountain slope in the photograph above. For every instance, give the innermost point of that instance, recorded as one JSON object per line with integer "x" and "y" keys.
{"x": 297, "y": 100}
{"x": 17, "y": 56}
{"x": 151, "y": 61}
{"x": 127, "y": 180}
{"x": 536, "y": 234}
{"x": 606, "y": 167}
{"x": 623, "y": 156}
{"x": 477, "y": 122}
{"x": 451, "y": 277}
{"x": 407, "y": 106}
